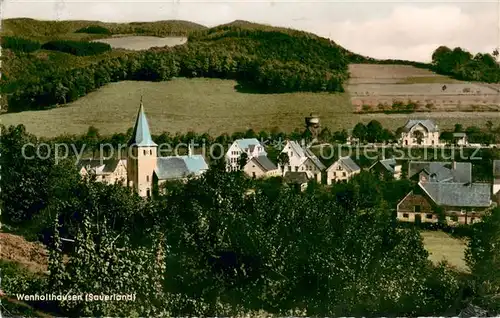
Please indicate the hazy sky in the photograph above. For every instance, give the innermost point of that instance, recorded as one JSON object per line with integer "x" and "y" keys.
{"x": 390, "y": 29}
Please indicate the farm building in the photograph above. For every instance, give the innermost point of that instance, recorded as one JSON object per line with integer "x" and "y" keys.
{"x": 462, "y": 203}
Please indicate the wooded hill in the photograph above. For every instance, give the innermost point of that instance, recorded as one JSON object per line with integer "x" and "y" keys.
{"x": 261, "y": 58}
{"x": 72, "y": 30}
{"x": 47, "y": 63}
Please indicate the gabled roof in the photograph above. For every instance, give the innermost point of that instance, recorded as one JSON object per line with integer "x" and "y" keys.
{"x": 439, "y": 171}
{"x": 296, "y": 177}
{"x": 347, "y": 163}
{"x": 297, "y": 148}
{"x": 304, "y": 152}
{"x": 141, "y": 135}
{"x": 388, "y": 164}
{"x": 264, "y": 163}
{"x": 496, "y": 169}
{"x": 247, "y": 143}
{"x": 427, "y": 123}
{"x": 458, "y": 194}
{"x": 96, "y": 166}
{"x": 178, "y": 167}
{"x": 314, "y": 159}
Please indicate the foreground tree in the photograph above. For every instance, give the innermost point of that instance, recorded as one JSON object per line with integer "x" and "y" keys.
{"x": 483, "y": 258}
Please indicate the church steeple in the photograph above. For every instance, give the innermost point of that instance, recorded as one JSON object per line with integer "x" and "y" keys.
{"x": 142, "y": 156}
{"x": 141, "y": 135}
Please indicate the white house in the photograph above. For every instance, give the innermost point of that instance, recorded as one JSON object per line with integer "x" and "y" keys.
{"x": 301, "y": 159}
{"x": 422, "y": 132}
{"x": 496, "y": 176}
{"x": 342, "y": 170}
{"x": 251, "y": 146}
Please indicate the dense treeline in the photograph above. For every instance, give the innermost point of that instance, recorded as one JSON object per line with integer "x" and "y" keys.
{"x": 208, "y": 248}
{"x": 18, "y": 44}
{"x": 462, "y": 65}
{"x": 94, "y": 29}
{"x": 62, "y": 87}
{"x": 360, "y": 59}
{"x": 261, "y": 64}
{"x": 65, "y": 29}
{"x": 78, "y": 48}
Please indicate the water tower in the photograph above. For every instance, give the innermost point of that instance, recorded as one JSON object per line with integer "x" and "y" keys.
{"x": 312, "y": 124}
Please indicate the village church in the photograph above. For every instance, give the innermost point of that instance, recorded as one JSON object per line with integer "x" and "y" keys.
{"x": 143, "y": 169}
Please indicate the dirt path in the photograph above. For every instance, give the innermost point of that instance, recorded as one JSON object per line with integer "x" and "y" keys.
{"x": 15, "y": 248}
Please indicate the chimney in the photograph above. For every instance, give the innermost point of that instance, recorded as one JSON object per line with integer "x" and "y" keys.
{"x": 190, "y": 151}
{"x": 454, "y": 165}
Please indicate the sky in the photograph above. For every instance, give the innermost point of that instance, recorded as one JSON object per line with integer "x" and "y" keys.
{"x": 401, "y": 29}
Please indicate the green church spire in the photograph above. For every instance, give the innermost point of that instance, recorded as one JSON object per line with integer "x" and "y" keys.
{"x": 141, "y": 135}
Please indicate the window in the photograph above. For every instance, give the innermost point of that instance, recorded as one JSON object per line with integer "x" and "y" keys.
{"x": 253, "y": 175}
{"x": 343, "y": 174}
{"x": 150, "y": 152}
{"x": 289, "y": 168}
{"x": 339, "y": 167}
{"x": 148, "y": 193}
{"x": 429, "y": 216}
{"x": 144, "y": 152}
{"x": 416, "y": 208}
{"x": 472, "y": 220}
{"x": 296, "y": 168}
{"x": 147, "y": 178}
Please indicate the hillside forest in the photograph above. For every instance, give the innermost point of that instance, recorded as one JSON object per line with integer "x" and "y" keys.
{"x": 42, "y": 72}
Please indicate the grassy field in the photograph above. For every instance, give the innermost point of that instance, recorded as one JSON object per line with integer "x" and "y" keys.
{"x": 371, "y": 85}
{"x": 428, "y": 79}
{"x": 210, "y": 105}
{"x": 442, "y": 246}
{"x": 138, "y": 43}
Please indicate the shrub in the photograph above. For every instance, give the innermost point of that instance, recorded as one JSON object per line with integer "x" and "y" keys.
{"x": 17, "y": 279}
